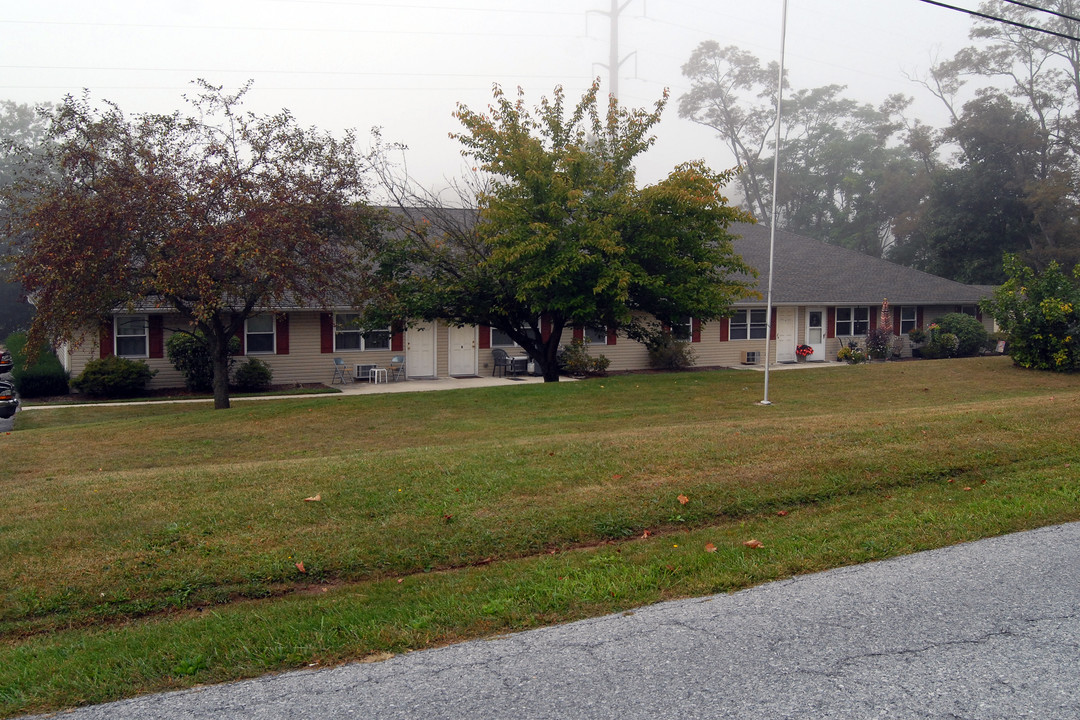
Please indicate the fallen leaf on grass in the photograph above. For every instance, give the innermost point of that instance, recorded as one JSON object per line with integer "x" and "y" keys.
{"x": 967, "y": 488}
{"x": 645, "y": 535}
{"x": 752, "y": 543}
{"x": 300, "y": 567}
{"x": 683, "y": 499}
{"x": 781, "y": 513}
{"x": 314, "y": 498}
{"x": 616, "y": 477}
{"x": 709, "y": 547}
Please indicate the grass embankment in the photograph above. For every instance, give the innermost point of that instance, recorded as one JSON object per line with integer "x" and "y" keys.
{"x": 163, "y": 546}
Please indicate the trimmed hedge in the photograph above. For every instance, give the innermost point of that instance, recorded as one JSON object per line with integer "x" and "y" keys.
{"x": 253, "y": 376}
{"x": 113, "y": 376}
{"x": 44, "y": 377}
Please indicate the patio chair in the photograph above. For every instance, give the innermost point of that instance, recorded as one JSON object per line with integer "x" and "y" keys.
{"x": 339, "y": 372}
{"x": 396, "y": 368}
{"x": 501, "y": 362}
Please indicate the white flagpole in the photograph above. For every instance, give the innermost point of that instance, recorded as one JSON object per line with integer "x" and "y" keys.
{"x": 776, "y": 176}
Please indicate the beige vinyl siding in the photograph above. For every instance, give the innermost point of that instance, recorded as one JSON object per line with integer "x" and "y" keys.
{"x": 88, "y": 348}
{"x": 306, "y": 363}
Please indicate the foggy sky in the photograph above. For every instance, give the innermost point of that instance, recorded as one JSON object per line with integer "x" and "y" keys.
{"x": 404, "y": 65}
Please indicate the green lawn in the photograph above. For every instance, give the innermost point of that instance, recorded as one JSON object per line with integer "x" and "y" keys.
{"x": 163, "y": 546}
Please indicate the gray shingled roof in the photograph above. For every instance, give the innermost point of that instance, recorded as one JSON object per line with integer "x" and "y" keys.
{"x": 811, "y": 272}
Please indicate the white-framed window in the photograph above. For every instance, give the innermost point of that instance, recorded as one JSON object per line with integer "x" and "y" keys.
{"x": 908, "y": 319}
{"x": 259, "y": 338}
{"x": 852, "y": 321}
{"x": 682, "y": 328}
{"x": 349, "y": 334}
{"x": 596, "y": 335}
{"x": 132, "y": 336}
{"x": 501, "y": 339}
{"x": 971, "y": 310}
{"x": 748, "y": 325}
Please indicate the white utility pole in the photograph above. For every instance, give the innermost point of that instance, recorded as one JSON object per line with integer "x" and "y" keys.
{"x": 776, "y": 176}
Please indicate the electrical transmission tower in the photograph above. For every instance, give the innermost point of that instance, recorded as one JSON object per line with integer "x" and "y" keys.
{"x": 614, "y": 63}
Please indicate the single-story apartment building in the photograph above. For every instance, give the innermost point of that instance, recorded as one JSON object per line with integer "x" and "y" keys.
{"x": 822, "y": 296}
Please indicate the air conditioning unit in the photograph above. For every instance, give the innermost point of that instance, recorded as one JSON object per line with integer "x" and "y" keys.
{"x": 751, "y": 357}
{"x": 363, "y": 372}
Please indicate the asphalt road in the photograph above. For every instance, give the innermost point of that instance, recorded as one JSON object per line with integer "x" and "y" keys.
{"x": 982, "y": 630}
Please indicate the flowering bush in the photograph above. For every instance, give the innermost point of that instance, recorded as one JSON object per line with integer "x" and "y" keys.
{"x": 939, "y": 344}
{"x": 804, "y": 351}
{"x": 879, "y": 342}
{"x": 1041, "y": 314}
{"x": 852, "y": 354}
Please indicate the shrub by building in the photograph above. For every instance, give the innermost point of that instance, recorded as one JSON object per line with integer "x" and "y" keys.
{"x": 113, "y": 377}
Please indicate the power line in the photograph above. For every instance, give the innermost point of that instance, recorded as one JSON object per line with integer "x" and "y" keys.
{"x": 350, "y": 31}
{"x": 1048, "y": 11}
{"x": 1014, "y": 23}
{"x": 251, "y": 71}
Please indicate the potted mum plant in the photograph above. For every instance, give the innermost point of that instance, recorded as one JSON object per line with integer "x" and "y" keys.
{"x": 803, "y": 351}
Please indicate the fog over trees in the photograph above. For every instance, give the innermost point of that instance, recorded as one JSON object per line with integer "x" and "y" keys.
{"x": 1000, "y": 177}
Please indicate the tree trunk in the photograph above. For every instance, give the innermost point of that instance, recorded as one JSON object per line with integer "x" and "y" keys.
{"x": 549, "y": 363}
{"x": 219, "y": 350}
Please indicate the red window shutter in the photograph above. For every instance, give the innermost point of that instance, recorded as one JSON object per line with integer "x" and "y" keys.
{"x": 157, "y": 336}
{"x": 579, "y": 333}
{"x": 484, "y": 339}
{"x": 105, "y": 339}
{"x": 545, "y": 327}
{"x": 919, "y": 320}
{"x": 725, "y": 329}
{"x": 874, "y": 318}
{"x": 772, "y": 325}
{"x": 896, "y": 321}
{"x": 326, "y": 333}
{"x": 281, "y": 334}
{"x": 695, "y": 330}
{"x": 242, "y": 337}
{"x": 612, "y": 336}
{"x": 830, "y": 331}
{"x": 397, "y": 340}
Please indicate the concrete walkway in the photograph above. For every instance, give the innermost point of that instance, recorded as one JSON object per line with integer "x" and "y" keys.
{"x": 988, "y": 630}
{"x": 352, "y": 388}
{"x": 412, "y": 385}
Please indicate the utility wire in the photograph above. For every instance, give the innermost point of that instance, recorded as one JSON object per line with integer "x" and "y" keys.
{"x": 1048, "y": 11}
{"x": 1003, "y": 20}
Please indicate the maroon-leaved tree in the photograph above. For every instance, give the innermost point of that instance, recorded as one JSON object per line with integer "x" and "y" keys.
{"x": 217, "y": 215}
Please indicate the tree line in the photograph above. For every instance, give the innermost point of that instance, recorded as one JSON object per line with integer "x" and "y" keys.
{"x": 1000, "y": 178}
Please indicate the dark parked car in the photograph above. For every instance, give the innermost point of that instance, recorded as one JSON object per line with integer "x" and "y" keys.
{"x": 5, "y": 362}
{"x": 9, "y": 403}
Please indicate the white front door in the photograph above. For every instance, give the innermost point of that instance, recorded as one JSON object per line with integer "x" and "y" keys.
{"x": 420, "y": 350}
{"x": 785, "y": 333}
{"x": 815, "y": 332}
{"x": 462, "y": 343}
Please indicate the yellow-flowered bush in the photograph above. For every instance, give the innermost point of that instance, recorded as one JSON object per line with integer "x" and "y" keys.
{"x": 1039, "y": 313}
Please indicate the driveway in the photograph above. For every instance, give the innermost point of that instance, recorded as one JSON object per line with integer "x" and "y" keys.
{"x": 986, "y": 630}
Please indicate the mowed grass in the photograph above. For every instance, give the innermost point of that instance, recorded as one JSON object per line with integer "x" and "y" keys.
{"x": 162, "y": 546}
